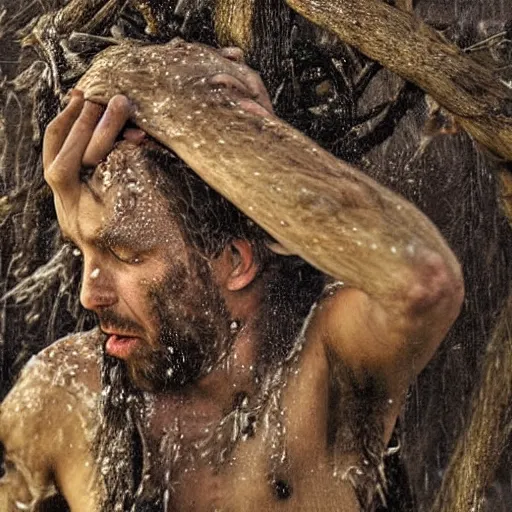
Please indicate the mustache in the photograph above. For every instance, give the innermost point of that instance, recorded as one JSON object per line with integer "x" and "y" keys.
{"x": 109, "y": 320}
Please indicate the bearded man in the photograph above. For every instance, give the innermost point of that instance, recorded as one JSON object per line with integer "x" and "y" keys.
{"x": 237, "y": 368}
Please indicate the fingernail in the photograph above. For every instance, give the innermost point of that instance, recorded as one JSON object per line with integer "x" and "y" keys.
{"x": 122, "y": 102}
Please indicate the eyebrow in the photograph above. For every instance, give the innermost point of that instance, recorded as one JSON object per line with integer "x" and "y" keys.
{"x": 109, "y": 236}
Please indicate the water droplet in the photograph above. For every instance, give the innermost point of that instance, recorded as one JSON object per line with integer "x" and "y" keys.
{"x": 95, "y": 273}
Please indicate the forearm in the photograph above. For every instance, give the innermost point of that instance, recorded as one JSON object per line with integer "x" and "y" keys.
{"x": 318, "y": 207}
{"x": 329, "y": 213}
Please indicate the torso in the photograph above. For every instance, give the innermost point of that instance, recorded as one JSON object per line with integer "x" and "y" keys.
{"x": 292, "y": 457}
{"x": 309, "y": 462}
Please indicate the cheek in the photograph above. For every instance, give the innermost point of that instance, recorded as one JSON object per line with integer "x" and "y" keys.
{"x": 136, "y": 298}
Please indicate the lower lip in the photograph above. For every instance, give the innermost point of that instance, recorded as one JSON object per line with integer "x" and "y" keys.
{"x": 120, "y": 347}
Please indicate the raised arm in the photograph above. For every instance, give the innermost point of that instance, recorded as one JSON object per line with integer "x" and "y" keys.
{"x": 199, "y": 104}
{"x": 403, "y": 285}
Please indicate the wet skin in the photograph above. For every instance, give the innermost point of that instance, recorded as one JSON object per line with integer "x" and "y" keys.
{"x": 353, "y": 337}
{"x": 140, "y": 277}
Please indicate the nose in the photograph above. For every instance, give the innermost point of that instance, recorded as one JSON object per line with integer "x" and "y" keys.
{"x": 97, "y": 290}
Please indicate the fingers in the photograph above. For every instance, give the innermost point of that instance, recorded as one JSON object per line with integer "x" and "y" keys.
{"x": 64, "y": 160}
{"x": 259, "y": 91}
{"x": 82, "y": 135}
{"x": 252, "y": 107}
{"x": 250, "y": 85}
{"x": 134, "y": 135}
{"x": 227, "y": 80}
{"x": 247, "y": 81}
{"x": 107, "y": 130}
{"x": 58, "y": 129}
{"x": 65, "y": 169}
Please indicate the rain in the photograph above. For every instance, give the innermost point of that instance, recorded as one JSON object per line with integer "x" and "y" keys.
{"x": 334, "y": 97}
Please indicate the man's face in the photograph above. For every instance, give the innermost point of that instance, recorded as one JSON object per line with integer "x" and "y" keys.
{"x": 155, "y": 297}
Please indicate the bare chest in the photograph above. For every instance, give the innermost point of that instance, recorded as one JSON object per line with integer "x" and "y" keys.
{"x": 270, "y": 456}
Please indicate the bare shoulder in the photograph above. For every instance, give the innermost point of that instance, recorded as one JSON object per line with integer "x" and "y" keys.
{"x": 48, "y": 417}
{"x": 65, "y": 374}
{"x": 70, "y": 366}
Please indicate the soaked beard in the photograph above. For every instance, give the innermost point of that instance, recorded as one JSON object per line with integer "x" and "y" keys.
{"x": 195, "y": 331}
{"x": 189, "y": 345}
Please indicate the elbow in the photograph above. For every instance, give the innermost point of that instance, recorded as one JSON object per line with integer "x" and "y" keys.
{"x": 437, "y": 286}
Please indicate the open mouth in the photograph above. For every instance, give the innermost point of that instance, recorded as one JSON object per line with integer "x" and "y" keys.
{"x": 120, "y": 346}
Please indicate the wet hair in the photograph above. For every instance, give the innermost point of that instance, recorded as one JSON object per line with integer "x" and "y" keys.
{"x": 208, "y": 220}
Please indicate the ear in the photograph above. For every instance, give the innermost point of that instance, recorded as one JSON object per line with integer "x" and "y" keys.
{"x": 243, "y": 266}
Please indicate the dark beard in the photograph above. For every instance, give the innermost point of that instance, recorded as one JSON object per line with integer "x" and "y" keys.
{"x": 117, "y": 444}
{"x": 201, "y": 342}
{"x": 195, "y": 330}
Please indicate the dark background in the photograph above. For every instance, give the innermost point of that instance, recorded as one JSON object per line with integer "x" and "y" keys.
{"x": 379, "y": 126}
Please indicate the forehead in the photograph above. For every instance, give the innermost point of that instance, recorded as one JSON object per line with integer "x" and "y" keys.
{"x": 127, "y": 189}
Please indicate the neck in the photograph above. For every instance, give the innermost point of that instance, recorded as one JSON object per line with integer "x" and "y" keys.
{"x": 214, "y": 396}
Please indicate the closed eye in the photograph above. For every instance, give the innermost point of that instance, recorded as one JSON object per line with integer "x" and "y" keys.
{"x": 125, "y": 255}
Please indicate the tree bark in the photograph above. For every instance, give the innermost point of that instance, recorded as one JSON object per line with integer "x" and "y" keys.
{"x": 233, "y": 23}
{"x": 405, "y": 45}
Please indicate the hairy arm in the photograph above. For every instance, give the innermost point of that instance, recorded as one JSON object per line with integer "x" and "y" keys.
{"x": 403, "y": 285}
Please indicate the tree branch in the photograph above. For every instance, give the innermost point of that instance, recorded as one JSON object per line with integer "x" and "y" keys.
{"x": 478, "y": 450}
{"x": 233, "y": 22}
{"x": 407, "y": 46}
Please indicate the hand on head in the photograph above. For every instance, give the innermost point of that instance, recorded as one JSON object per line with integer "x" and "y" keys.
{"x": 84, "y": 133}
{"x": 249, "y": 83}
{"x": 81, "y": 136}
